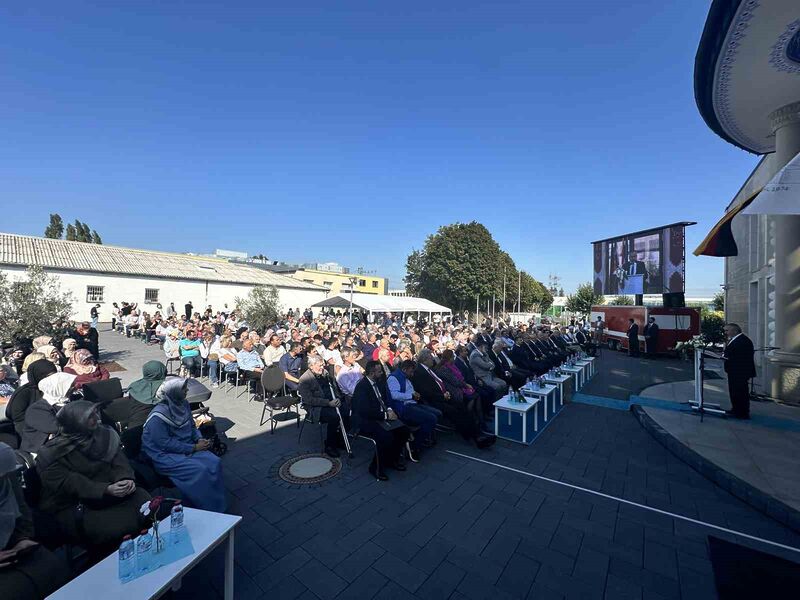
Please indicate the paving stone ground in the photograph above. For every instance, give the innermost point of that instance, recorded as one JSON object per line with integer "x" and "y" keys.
{"x": 451, "y": 528}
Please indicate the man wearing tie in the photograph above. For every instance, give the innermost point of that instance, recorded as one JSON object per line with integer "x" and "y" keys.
{"x": 740, "y": 367}
{"x": 633, "y": 338}
{"x": 633, "y": 267}
{"x": 373, "y": 419}
{"x": 651, "y": 337}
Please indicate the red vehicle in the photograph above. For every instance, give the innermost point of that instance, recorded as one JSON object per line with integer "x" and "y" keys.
{"x": 674, "y": 324}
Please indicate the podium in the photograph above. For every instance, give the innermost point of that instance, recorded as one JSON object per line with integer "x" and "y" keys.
{"x": 699, "y": 403}
{"x": 633, "y": 284}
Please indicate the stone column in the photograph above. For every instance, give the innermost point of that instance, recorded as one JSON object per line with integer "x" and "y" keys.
{"x": 785, "y": 363}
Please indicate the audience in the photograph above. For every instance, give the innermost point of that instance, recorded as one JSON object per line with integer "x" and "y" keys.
{"x": 40, "y": 418}
{"x": 82, "y": 364}
{"x": 321, "y": 395}
{"x": 291, "y": 364}
{"x": 404, "y": 400}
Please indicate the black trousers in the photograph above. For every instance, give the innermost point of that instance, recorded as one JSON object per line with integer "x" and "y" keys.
{"x": 327, "y": 414}
{"x": 633, "y": 347}
{"x": 390, "y": 443}
{"x": 740, "y": 396}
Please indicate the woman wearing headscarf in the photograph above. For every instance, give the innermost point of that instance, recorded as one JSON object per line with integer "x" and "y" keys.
{"x": 83, "y": 365}
{"x": 68, "y": 347}
{"x": 134, "y": 410}
{"x": 28, "y": 394}
{"x": 87, "y": 482}
{"x": 52, "y": 354}
{"x": 176, "y": 449}
{"x": 40, "y": 418}
{"x": 42, "y": 340}
{"x": 27, "y": 570}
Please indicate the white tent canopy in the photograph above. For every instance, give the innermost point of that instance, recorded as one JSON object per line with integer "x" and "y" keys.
{"x": 374, "y": 303}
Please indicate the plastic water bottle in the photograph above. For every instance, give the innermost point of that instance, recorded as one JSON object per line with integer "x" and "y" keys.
{"x": 144, "y": 550}
{"x": 127, "y": 559}
{"x": 176, "y": 528}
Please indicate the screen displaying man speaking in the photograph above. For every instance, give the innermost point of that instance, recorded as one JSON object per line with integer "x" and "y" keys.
{"x": 647, "y": 262}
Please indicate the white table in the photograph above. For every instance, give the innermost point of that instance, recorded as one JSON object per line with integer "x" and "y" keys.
{"x": 592, "y": 365}
{"x": 523, "y": 408}
{"x": 577, "y": 372}
{"x": 559, "y": 381}
{"x": 587, "y": 368}
{"x": 206, "y": 529}
{"x": 544, "y": 392}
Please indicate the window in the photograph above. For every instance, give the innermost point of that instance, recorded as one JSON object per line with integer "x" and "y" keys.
{"x": 94, "y": 293}
{"x": 328, "y": 283}
{"x": 374, "y": 284}
{"x": 362, "y": 283}
{"x": 150, "y": 296}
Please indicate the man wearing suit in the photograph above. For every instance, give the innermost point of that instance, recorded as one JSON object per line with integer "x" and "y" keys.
{"x": 651, "y": 337}
{"x": 633, "y": 338}
{"x": 483, "y": 367}
{"x": 634, "y": 266}
{"x": 321, "y": 395}
{"x": 373, "y": 418}
{"x": 740, "y": 367}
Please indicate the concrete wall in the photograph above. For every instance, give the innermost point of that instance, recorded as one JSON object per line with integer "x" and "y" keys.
{"x": 118, "y": 288}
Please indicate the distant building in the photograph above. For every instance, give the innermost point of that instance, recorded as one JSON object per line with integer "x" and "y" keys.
{"x": 399, "y": 293}
{"x": 101, "y": 274}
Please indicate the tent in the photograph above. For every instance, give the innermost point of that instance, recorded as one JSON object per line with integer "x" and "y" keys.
{"x": 377, "y": 303}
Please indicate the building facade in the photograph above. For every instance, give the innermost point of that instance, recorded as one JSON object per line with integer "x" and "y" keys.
{"x": 100, "y": 274}
{"x": 747, "y": 87}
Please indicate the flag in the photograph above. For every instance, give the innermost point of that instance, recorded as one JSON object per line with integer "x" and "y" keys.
{"x": 719, "y": 241}
{"x": 781, "y": 196}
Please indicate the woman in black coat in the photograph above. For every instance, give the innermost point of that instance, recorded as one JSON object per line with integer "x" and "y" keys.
{"x": 29, "y": 393}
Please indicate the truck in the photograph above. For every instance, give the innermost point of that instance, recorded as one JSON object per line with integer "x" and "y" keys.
{"x": 674, "y": 325}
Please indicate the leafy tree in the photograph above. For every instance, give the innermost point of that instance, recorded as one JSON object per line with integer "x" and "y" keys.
{"x": 534, "y": 295}
{"x": 56, "y": 227}
{"x": 261, "y": 308}
{"x": 32, "y": 306}
{"x": 72, "y": 234}
{"x": 718, "y": 301}
{"x": 415, "y": 266}
{"x": 712, "y": 326}
{"x": 83, "y": 233}
{"x": 96, "y": 239}
{"x": 583, "y": 299}
{"x": 621, "y": 301}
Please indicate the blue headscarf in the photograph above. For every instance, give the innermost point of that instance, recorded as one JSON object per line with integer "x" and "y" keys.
{"x": 173, "y": 405}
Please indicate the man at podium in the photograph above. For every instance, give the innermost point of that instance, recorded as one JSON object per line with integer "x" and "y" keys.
{"x": 633, "y": 275}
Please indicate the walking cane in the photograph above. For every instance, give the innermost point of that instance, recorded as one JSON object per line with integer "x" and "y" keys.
{"x": 344, "y": 434}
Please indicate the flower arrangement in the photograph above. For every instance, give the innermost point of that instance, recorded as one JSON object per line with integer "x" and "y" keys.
{"x": 698, "y": 342}
{"x": 150, "y": 509}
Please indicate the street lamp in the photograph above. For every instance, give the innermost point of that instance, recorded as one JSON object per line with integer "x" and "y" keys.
{"x": 353, "y": 281}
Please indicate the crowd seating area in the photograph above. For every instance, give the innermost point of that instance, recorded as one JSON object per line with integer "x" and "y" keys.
{"x": 79, "y": 454}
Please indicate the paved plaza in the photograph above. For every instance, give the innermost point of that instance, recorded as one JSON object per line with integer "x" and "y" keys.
{"x": 452, "y": 527}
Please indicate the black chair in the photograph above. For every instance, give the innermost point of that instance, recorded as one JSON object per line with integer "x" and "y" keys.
{"x": 146, "y": 475}
{"x": 106, "y": 390}
{"x": 170, "y": 362}
{"x": 276, "y": 400}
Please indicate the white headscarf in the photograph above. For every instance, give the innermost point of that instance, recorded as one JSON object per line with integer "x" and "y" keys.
{"x": 55, "y": 389}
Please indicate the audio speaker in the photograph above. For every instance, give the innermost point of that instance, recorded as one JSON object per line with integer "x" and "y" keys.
{"x": 674, "y": 300}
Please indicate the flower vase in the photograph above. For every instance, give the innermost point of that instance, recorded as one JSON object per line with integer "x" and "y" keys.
{"x": 158, "y": 542}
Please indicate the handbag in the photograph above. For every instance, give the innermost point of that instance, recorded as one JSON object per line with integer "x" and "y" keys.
{"x": 391, "y": 425}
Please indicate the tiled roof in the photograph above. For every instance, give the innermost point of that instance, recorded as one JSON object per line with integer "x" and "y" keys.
{"x": 26, "y": 250}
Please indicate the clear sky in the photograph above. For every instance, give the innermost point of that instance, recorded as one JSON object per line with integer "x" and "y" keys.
{"x": 350, "y": 131}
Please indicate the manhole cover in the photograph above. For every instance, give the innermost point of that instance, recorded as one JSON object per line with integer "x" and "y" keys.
{"x": 309, "y": 468}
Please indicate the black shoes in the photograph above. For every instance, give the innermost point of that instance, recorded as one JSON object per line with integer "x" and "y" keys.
{"x": 380, "y": 476}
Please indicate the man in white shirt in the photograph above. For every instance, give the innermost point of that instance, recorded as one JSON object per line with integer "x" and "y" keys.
{"x": 350, "y": 373}
{"x": 273, "y": 352}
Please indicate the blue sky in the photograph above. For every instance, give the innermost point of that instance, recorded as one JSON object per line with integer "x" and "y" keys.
{"x": 351, "y": 131}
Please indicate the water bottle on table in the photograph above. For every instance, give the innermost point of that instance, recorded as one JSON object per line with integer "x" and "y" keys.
{"x": 127, "y": 559}
{"x": 176, "y": 528}
{"x": 144, "y": 549}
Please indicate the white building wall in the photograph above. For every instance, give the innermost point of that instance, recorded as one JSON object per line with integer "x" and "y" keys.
{"x": 131, "y": 288}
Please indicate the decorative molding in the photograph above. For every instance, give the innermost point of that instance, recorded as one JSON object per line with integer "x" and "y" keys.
{"x": 785, "y": 54}
{"x": 722, "y": 85}
{"x": 785, "y": 115}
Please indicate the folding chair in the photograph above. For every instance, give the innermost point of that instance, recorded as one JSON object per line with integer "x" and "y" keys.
{"x": 273, "y": 386}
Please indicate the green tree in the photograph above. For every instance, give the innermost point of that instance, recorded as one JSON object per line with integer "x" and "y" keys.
{"x": 621, "y": 301}
{"x": 32, "y": 306}
{"x": 583, "y": 299}
{"x": 56, "y": 227}
{"x": 718, "y": 301}
{"x": 96, "y": 239}
{"x": 415, "y": 266}
{"x": 72, "y": 234}
{"x": 261, "y": 309}
{"x": 534, "y": 296}
{"x": 712, "y": 326}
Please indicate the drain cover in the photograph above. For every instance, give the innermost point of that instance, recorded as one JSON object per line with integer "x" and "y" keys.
{"x": 309, "y": 468}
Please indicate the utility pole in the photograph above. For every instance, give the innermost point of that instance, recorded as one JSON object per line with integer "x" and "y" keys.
{"x": 519, "y": 292}
{"x": 353, "y": 281}
{"x": 504, "y": 290}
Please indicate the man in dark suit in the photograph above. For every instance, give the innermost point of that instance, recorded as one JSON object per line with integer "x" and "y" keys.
{"x": 740, "y": 367}
{"x": 651, "y": 337}
{"x": 321, "y": 395}
{"x": 373, "y": 418}
{"x": 633, "y": 338}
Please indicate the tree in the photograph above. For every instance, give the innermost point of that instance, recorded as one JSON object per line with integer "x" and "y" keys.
{"x": 83, "y": 233}
{"x": 621, "y": 301}
{"x": 583, "y": 299}
{"x": 96, "y": 238}
{"x": 415, "y": 265}
{"x": 534, "y": 296}
{"x": 72, "y": 234}
{"x": 712, "y": 326}
{"x": 261, "y": 308}
{"x": 56, "y": 227}
{"x": 32, "y": 306}
{"x": 718, "y": 301}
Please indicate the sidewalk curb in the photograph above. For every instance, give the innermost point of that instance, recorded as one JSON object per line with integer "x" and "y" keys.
{"x": 761, "y": 501}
